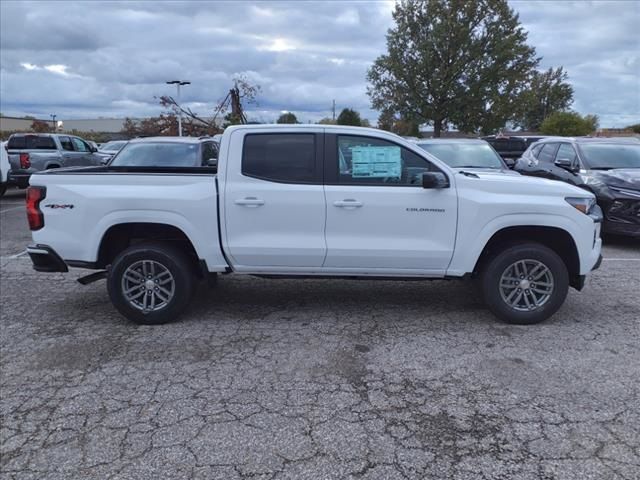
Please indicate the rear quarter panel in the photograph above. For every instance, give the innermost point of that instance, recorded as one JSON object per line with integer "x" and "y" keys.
{"x": 79, "y": 208}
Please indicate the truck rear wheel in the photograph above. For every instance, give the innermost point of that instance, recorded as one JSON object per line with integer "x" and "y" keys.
{"x": 525, "y": 284}
{"x": 151, "y": 283}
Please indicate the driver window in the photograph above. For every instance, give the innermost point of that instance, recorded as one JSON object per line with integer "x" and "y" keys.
{"x": 373, "y": 161}
{"x": 566, "y": 151}
{"x": 79, "y": 145}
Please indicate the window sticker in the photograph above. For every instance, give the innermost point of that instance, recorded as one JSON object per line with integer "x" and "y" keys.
{"x": 376, "y": 162}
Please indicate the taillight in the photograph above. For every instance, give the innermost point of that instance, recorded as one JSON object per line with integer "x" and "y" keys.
{"x": 25, "y": 162}
{"x": 34, "y": 215}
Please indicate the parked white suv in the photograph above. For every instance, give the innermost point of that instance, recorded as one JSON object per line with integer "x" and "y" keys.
{"x": 314, "y": 200}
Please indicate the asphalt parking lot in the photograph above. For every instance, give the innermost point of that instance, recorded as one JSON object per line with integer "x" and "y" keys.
{"x": 316, "y": 379}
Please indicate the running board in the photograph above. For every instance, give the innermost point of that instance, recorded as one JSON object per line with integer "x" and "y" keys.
{"x": 94, "y": 277}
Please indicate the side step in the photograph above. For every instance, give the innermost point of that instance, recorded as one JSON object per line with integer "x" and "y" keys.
{"x": 94, "y": 277}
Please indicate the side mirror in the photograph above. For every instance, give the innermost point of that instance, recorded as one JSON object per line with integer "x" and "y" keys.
{"x": 92, "y": 149}
{"x": 566, "y": 163}
{"x": 434, "y": 180}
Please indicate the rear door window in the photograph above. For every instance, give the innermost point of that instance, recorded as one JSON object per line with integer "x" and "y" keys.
{"x": 280, "y": 157}
{"x": 66, "y": 143}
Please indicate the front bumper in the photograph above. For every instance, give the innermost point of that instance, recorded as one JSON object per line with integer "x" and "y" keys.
{"x": 45, "y": 259}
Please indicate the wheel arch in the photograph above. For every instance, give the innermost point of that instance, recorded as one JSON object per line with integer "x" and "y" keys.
{"x": 119, "y": 237}
{"x": 555, "y": 238}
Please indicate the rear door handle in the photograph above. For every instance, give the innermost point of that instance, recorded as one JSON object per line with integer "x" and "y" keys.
{"x": 249, "y": 202}
{"x": 348, "y": 203}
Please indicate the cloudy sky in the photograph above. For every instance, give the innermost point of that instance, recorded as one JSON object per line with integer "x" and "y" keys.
{"x": 90, "y": 59}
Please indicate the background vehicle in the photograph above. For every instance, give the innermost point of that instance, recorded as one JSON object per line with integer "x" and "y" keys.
{"x": 511, "y": 147}
{"x": 4, "y": 168}
{"x": 33, "y": 152}
{"x": 609, "y": 168}
{"x": 109, "y": 149}
{"x": 464, "y": 153}
{"x": 168, "y": 152}
{"x": 311, "y": 200}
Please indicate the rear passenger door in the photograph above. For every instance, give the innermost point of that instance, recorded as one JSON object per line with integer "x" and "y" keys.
{"x": 274, "y": 209}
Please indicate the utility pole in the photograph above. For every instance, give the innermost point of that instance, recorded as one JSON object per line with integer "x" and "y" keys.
{"x": 334, "y": 110}
{"x": 53, "y": 120}
{"x": 179, "y": 83}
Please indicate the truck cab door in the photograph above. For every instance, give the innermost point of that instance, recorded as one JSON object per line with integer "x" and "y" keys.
{"x": 379, "y": 216}
{"x": 274, "y": 205}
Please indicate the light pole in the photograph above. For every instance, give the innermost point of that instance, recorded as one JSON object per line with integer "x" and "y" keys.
{"x": 179, "y": 83}
{"x": 53, "y": 120}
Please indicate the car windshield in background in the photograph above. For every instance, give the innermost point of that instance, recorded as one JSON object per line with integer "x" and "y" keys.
{"x": 606, "y": 156}
{"x": 112, "y": 146}
{"x": 469, "y": 155}
{"x": 160, "y": 154}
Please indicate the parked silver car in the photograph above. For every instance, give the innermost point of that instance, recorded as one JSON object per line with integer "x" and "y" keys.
{"x": 33, "y": 152}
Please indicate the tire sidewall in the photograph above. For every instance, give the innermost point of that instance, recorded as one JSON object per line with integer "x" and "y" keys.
{"x": 172, "y": 259}
{"x": 496, "y": 267}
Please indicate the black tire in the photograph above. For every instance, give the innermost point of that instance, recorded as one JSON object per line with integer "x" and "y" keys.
{"x": 497, "y": 266}
{"x": 163, "y": 256}
{"x": 3, "y": 189}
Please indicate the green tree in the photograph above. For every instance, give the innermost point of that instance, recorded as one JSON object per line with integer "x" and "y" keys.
{"x": 548, "y": 92}
{"x": 569, "y": 124}
{"x": 404, "y": 127}
{"x": 327, "y": 121}
{"x": 349, "y": 116}
{"x": 634, "y": 128}
{"x": 459, "y": 62}
{"x": 287, "y": 117}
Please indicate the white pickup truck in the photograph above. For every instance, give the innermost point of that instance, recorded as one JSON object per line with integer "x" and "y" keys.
{"x": 312, "y": 201}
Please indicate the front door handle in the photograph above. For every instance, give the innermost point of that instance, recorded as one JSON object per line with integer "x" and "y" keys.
{"x": 249, "y": 202}
{"x": 348, "y": 203}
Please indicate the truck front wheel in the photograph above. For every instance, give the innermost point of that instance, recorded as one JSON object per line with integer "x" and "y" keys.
{"x": 525, "y": 284}
{"x": 151, "y": 283}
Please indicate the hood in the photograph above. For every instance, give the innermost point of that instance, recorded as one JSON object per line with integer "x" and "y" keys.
{"x": 507, "y": 181}
{"x": 618, "y": 177}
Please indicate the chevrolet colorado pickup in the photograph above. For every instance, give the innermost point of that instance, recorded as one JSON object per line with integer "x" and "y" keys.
{"x": 313, "y": 201}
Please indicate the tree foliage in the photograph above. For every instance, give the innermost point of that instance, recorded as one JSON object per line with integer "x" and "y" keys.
{"x": 548, "y": 92}
{"x": 287, "y": 117}
{"x": 459, "y": 62}
{"x": 400, "y": 126}
{"x": 634, "y": 128}
{"x": 40, "y": 126}
{"x": 569, "y": 124}
{"x": 348, "y": 116}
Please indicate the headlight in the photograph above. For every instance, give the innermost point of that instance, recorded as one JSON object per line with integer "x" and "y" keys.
{"x": 585, "y": 205}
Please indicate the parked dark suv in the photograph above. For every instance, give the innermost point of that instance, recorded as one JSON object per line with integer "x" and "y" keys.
{"x": 610, "y": 168}
{"x": 510, "y": 148}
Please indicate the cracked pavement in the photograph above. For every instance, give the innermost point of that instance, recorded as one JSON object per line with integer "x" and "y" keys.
{"x": 316, "y": 379}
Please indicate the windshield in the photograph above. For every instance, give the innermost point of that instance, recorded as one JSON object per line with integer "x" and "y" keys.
{"x": 468, "y": 155}
{"x": 160, "y": 154}
{"x": 112, "y": 146}
{"x": 605, "y": 156}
